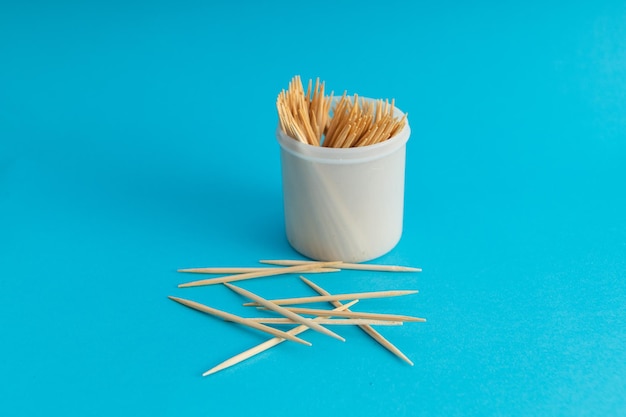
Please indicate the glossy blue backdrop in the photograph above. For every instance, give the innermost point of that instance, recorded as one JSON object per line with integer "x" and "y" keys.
{"x": 138, "y": 137}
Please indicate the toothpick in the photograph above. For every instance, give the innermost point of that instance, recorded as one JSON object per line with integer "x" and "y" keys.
{"x": 284, "y": 312}
{"x": 366, "y": 328}
{"x": 336, "y": 322}
{"x": 245, "y": 270}
{"x": 336, "y": 297}
{"x": 355, "y": 314}
{"x": 241, "y": 320}
{"x": 344, "y": 265}
{"x": 258, "y": 274}
{"x": 262, "y": 347}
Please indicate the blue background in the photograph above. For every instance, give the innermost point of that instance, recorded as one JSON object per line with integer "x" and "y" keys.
{"x": 138, "y": 137}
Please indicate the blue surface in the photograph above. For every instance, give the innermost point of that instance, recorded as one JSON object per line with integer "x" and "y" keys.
{"x": 137, "y": 138}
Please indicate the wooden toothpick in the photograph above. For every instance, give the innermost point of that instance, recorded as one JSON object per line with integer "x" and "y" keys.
{"x": 356, "y": 315}
{"x": 366, "y": 328}
{"x": 258, "y": 274}
{"x": 262, "y": 347}
{"x": 337, "y": 297}
{"x": 284, "y": 312}
{"x": 335, "y": 322}
{"x": 237, "y": 319}
{"x": 344, "y": 265}
{"x": 245, "y": 270}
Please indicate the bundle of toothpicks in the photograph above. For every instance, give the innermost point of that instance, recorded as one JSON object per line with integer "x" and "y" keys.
{"x": 289, "y": 312}
{"x": 311, "y": 118}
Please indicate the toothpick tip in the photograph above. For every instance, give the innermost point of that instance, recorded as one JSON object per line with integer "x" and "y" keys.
{"x": 406, "y": 269}
{"x": 191, "y": 270}
{"x": 177, "y": 299}
{"x": 190, "y": 284}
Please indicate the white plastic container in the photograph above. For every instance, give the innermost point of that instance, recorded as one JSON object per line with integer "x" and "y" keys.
{"x": 344, "y": 204}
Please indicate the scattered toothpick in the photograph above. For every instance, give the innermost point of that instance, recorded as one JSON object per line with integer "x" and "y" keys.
{"x": 237, "y": 319}
{"x": 337, "y": 297}
{"x": 344, "y": 265}
{"x": 258, "y": 274}
{"x": 354, "y": 314}
{"x": 335, "y": 322}
{"x": 245, "y": 270}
